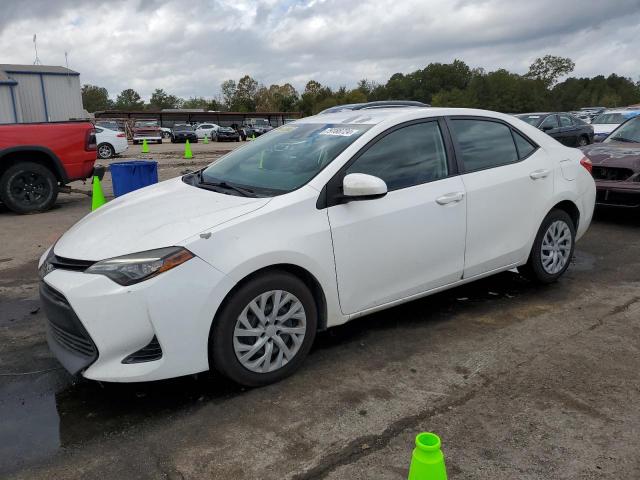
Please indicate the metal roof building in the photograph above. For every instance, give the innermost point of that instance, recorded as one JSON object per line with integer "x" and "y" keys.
{"x": 39, "y": 93}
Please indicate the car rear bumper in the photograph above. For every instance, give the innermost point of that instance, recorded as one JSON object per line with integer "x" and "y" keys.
{"x": 162, "y": 323}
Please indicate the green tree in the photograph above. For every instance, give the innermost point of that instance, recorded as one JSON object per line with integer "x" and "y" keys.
{"x": 245, "y": 97}
{"x": 161, "y": 99}
{"x": 550, "y": 68}
{"x": 129, "y": 99}
{"x": 228, "y": 89}
{"x": 95, "y": 98}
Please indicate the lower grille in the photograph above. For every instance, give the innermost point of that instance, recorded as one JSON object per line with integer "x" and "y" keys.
{"x": 611, "y": 173}
{"x": 620, "y": 199}
{"x": 73, "y": 342}
{"x": 149, "y": 353}
{"x": 68, "y": 339}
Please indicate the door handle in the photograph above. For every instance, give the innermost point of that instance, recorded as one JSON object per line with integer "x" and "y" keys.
{"x": 537, "y": 174}
{"x": 453, "y": 197}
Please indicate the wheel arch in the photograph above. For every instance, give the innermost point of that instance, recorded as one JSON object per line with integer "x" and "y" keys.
{"x": 571, "y": 209}
{"x": 35, "y": 153}
{"x": 301, "y": 273}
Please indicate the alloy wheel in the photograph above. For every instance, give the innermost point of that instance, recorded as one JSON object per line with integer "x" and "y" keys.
{"x": 104, "y": 151}
{"x": 29, "y": 188}
{"x": 269, "y": 331}
{"x": 556, "y": 247}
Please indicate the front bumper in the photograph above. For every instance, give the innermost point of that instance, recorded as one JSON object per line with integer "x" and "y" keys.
{"x": 139, "y": 138}
{"x": 618, "y": 194}
{"x": 174, "y": 309}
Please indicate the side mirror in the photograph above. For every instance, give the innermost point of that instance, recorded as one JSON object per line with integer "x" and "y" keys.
{"x": 360, "y": 186}
{"x": 546, "y": 128}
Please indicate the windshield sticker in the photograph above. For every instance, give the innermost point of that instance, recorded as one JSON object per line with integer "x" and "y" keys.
{"x": 339, "y": 132}
{"x": 533, "y": 116}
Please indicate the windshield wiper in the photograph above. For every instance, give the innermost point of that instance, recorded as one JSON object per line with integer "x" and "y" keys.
{"x": 245, "y": 192}
{"x": 622, "y": 139}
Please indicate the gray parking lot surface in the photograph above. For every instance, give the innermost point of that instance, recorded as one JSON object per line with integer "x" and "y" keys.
{"x": 520, "y": 381}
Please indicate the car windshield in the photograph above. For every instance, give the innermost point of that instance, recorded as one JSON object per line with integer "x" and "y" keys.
{"x": 629, "y": 132}
{"x": 146, "y": 124}
{"x": 609, "y": 118}
{"x": 285, "y": 158}
{"x": 226, "y": 129}
{"x": 531, "y": 119}
{"x": 187, "y": 128}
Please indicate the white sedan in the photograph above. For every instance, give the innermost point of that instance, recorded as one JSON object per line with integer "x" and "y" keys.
{"x": 110, "y": 142}
{"x": 332, "y": 217}
{"x": 207, "y": 129}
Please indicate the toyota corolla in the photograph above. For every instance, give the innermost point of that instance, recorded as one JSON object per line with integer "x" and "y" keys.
{"x": 332, "y": 217}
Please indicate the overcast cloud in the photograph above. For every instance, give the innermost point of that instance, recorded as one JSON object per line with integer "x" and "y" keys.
{"x": 188, "y": 47}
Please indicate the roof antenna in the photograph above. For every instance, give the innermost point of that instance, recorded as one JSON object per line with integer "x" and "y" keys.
{"x": 35, "y": 45}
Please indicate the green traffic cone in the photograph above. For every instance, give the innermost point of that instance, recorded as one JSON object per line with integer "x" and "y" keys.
{"x": 206, "y": 138}
{"x": 97, "y": 196}
{"x": 253, "y": 136}
{"x": 427, "y": 461}
{"x": 145, "y": 147}
{"x": 187, "y": 150}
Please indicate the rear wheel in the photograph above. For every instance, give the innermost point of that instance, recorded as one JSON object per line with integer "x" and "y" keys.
{"x": 552, "y": 249}
{"x": 105, "y": 151}
{"x": 28, "y": 187}
{"x": 583, "y": 141}
{"x": 265, "y": 330}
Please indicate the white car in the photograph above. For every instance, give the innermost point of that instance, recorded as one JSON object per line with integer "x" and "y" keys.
{"x": 207, "y": 129}
{"x": 110, "y": 142}
{"x": 323, "y": 220}
{"x": 608, "y": 121}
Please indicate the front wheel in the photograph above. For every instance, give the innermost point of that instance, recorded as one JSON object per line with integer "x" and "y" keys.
{"x": 552, "y": 249}
{"x": 28, "y": 187}
{"x": 583, "y": 141}
{"x": 264, "y": 331}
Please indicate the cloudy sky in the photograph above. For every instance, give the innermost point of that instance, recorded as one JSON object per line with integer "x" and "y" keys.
{"x": 188, "y": 47}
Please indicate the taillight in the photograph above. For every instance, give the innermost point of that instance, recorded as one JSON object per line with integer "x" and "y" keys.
{"x": 586, "y": 163}
{"x": 90, "y": 140}
{"x": 121, "y": 135}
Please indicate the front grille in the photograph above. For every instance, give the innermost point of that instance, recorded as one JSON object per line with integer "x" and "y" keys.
{"x": 611, "y": 173}
{"x": 70, "y": 264}
{"x": 149, "y": 353}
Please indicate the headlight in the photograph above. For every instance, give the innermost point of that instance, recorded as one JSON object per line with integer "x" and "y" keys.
{"x": 134, "y": 268}
{"x": 46, "y": 266}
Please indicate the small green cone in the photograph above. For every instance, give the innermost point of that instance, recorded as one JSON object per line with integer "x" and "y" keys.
{"x": 145, "y": 147}
{"x": 97, "y": 196}
{"x": 187, "y": 150}
{"x": 253, "y": 136}
{"x": 427, "y": 461}
{"x": 206, "y": 138}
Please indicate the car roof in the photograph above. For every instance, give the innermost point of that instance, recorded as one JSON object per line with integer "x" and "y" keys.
{"x": 379, "y": 115}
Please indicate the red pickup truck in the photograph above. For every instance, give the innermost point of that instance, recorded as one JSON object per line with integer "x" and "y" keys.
{"x": 37, "y": 159}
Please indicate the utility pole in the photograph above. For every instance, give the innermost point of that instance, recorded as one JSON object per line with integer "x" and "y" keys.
{"x": 35, "y": 45}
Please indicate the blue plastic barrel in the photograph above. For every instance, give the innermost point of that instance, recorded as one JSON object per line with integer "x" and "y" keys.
{"x": 129, "y": 176}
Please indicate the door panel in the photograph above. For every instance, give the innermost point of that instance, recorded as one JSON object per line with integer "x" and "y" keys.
{"x": 505, "y": 205}
{"x": 400, "y": 245}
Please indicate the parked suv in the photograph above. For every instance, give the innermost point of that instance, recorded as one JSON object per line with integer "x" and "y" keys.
{"x": 237, "y": 266}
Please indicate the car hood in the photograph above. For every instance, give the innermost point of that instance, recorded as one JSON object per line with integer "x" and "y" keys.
{"x": 157, "y": 216}
{"x": 604, "y": 127}
{"x": 614, "y": 154}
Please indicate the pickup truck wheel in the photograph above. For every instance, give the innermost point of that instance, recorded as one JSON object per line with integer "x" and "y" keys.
{"x": 28, "y": 187}
{"x": 105, "y": 151}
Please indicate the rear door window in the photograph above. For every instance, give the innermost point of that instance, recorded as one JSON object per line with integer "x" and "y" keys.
{"x": 484, "y": 144}
{"x": 565, "y": 121}
{"x": 550, "y": 121}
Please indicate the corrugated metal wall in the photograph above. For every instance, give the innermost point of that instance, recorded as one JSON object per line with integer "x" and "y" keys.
{"x": 64, "y": 99}
{"x": 29, "y": 90}
{"x": 6, "y": 105}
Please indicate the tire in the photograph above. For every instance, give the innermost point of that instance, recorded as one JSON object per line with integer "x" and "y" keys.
{"x": 28, "y": 187}
{"x": 135, "y": 142}
{"x": 226, "y": 348}
{"x": 537, "y": 268}
{"x": 159, "y": 142}
{"x": 583, "y": 141}
{"x": 166, "y": 135}
{"x": 105, "y": 150}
